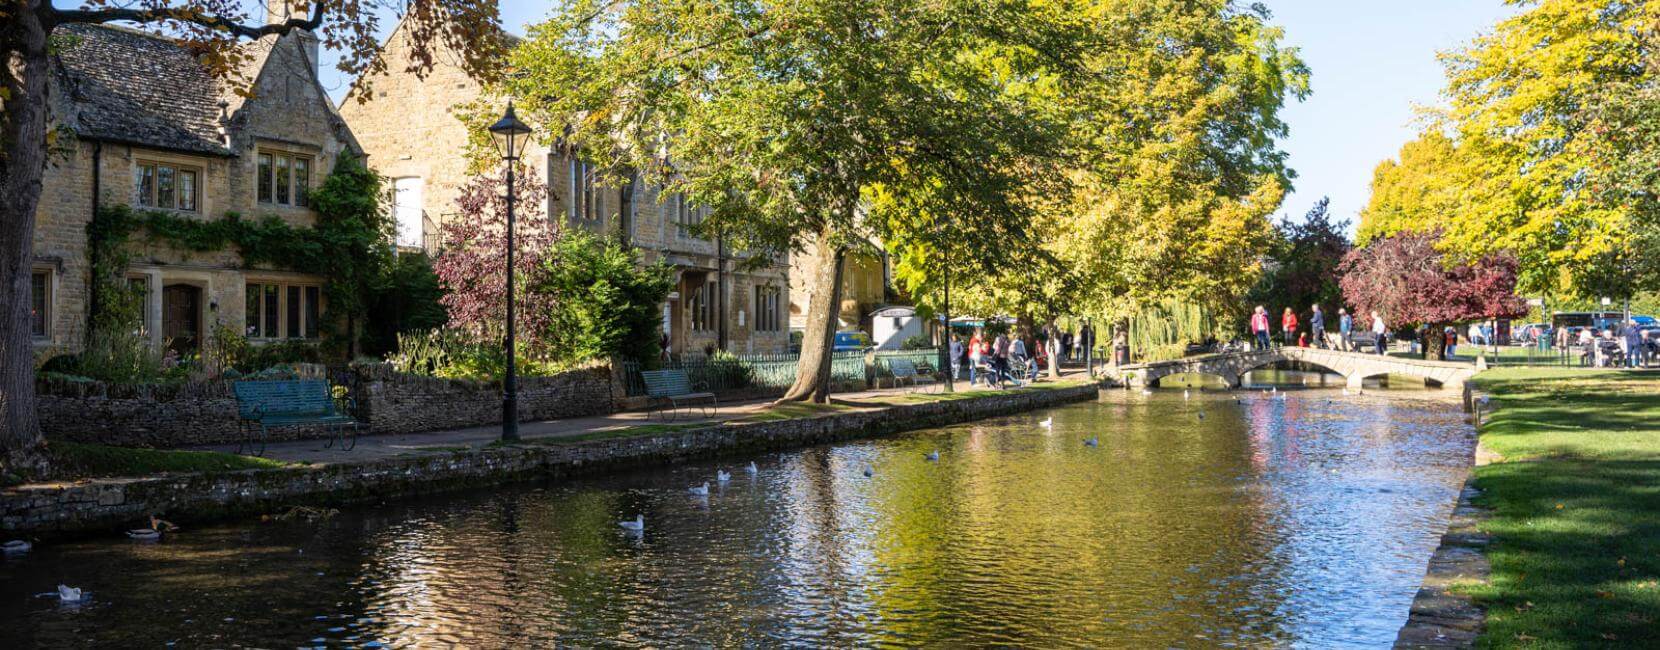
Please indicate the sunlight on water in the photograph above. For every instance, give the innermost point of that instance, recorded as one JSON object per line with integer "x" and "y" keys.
{"x": 1298, "y": 521}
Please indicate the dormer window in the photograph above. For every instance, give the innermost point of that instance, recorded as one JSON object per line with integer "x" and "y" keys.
{"x": 165, "y": 185}
{"x": 284, "y": 179}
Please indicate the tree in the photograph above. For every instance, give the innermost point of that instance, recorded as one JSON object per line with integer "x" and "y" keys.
{"x": 787, "y": 119}
{"x": 1406, "y": 279}
{"x": 1418, "y": 192}
{"x": 1171, "y": 169}
{"x": 473, "y": 268}
{"x": 1518, "y": 100}
{"x": 211, "y": 27}
{"x": 605, "y": 301}
{"x": 1306, "y": 258}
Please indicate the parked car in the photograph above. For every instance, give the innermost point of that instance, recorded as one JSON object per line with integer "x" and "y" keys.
{"x": 851, "y": 342}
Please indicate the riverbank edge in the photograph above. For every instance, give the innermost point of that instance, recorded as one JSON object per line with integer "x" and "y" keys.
{"x": 1441, "y": 617}
{"x": 107, "y": 506}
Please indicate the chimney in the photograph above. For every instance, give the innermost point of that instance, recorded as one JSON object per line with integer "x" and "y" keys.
{"x": 281, "y": 11}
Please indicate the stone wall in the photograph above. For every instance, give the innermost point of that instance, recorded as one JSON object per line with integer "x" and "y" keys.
{"x": 106, "y": 506}
{"x": 394, "y": 402}
{"x": 204, "y": 413}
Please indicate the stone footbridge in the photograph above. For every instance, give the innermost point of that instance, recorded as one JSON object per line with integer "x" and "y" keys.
{"x": 1355, "y": 367}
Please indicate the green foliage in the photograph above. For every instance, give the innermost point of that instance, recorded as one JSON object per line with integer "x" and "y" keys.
{"x": 727, "y": 371}
{"x": 605, "y": 302}
{"x": 1306, "y": 256}
{"x": 1163, "y": 330}
{"x": 404, "y": 299}
{"x": 82, "y": 460}
{"x": 918, "y": 342}
{"x": 453, "y": 354}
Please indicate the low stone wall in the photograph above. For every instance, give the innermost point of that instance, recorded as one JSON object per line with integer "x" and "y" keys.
{"x": 150, "y": 415}
{"x": 110, "y": 505}
{"x": 204, "y": 413}
{"x": 392, "y": 402}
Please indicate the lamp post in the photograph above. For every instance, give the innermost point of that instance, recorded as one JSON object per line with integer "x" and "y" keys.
{"x": 510, "y": 135}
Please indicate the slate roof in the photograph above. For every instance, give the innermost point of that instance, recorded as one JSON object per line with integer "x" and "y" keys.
{"x": 136, "y": 88}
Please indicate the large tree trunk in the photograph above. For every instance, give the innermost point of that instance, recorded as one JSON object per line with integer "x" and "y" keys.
{"x": 1051, "y": 345}
{"x": 22, "y": 162}
{"x": 812, "y": 375}
{"x": 1434, "y": 342}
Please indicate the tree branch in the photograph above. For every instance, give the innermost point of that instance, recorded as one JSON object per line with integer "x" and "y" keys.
{"x": 183, "y": 15}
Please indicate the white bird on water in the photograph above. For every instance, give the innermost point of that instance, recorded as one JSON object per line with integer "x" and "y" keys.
{"x": 722, "y": 475}
{"x": 69, "y": 594}
{"x": 752, "y": 469}
{"x": 1092, "y": 442}
{"x": 1048, "y": 422}
{"x": 1146, "y": 391}
{"x": 1345, "y": 392}
{"x": 933, "y": 455}
{"x": 16, "y": 546}
{"x": 639, "y": 524}
{"x": 144, "y": 534}
{"x": 699, "y": 490}
{"x": 1186, "y": 393}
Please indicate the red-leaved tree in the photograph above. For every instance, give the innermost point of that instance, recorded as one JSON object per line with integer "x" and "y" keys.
{"x": 1408, "y": 282}
{"x": 473, "y": 264}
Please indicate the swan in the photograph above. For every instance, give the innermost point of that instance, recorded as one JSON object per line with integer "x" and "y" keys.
{"x": 1186, "y": 393}
{"x": 869, "y": 472}
{"x": 752, "y": 469}
{"x": 1048, "y": 422}
{"x": 69, "y": 594}
{"x": 934, "y": 455}
{"x": 16, "y": 546}
{"x": 639, "y": 524}
{"x": 1091, "y": 442}
{"x": 722, "y": 475}
{"x": 699, "y": 490}
{"x": 1345, "y": 392}
{"x": 1146, "y": 391}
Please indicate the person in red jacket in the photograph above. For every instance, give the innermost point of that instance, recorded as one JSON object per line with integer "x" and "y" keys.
{"x": 1288, "y": 322}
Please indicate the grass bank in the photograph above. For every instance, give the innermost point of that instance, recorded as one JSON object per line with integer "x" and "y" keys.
{"x": 1576, "y": 508}
{"x": 81, "y": 460}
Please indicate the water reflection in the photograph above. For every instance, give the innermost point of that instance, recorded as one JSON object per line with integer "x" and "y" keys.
{"x": 1302, "y": 520}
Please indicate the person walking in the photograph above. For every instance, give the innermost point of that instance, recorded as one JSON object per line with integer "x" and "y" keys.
{"x": 999, "y": 359}
{"x": 1288, "y": 324}
{"x": 1317, "y": 327}
{"x": 1259, "y": 327}
{"x": 1378, "y": 332}
{"x": 976, "y": 354}
{"x": 956, "y": 352}
{"x": 1633, "y": 345}
{"x": 1345, "y": 329}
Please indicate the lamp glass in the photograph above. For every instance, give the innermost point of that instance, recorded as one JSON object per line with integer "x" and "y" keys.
{"x": 509, "y": 135}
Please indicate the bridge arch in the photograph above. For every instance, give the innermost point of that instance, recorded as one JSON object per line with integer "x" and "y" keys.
{"x": 1355, "y": 367}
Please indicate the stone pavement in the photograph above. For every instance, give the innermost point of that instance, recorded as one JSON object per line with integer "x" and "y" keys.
{"x": 382, "y": 446}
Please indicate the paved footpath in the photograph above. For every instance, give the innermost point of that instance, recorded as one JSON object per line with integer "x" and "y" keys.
{"x": 382, "y": 446}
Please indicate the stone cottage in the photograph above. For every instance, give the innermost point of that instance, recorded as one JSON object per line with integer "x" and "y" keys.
{"x": 407, "y": 124}
{"x": 142, "y": 123}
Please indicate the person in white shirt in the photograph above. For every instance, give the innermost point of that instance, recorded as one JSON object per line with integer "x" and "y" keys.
{"x": 1378, "y": 331}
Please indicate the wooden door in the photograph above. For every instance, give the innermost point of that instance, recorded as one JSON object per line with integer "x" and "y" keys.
{"x": 181, "y": 316}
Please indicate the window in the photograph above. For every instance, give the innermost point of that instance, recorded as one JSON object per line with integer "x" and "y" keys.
{"x": 282, "y": 311}
{"x": 284, "y": 179}
{"x": 585, "y": 198}
{"x": 39, "y": 306}
{"x": 767, "y": 312}
{"x": 165, "y": 186}
{"x": 686, "y": 216}
{"x": 703, "y": 307}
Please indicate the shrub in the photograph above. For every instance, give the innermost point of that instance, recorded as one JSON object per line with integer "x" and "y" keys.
{"x": 604, "y": 302}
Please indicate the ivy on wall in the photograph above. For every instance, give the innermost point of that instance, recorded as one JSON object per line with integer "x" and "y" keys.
{"x": 350, "y": 246}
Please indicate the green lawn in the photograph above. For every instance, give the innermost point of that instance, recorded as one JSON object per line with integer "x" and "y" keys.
{"x": 1576, "y": 508}
{"x": 80, "y": 460}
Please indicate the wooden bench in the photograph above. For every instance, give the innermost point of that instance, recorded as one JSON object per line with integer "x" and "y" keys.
{"x": 675, "y": 387}
{"x": 265, "y": 405}
{"x": 905, "y": 370}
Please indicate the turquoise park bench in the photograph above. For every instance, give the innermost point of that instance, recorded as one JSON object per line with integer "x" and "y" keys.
{"x": 265, "y": 405}
{"x": 676, "y": 388}
{"x": 905, "y": 370}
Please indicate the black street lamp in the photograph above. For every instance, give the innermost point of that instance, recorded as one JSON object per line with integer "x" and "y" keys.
{"x": 510, "y": 136}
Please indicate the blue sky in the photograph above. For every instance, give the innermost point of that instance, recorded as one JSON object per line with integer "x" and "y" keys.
{"x": 1371, "y": 64}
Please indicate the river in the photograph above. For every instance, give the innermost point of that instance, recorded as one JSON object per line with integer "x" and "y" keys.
{"x": 1297, "y": 519}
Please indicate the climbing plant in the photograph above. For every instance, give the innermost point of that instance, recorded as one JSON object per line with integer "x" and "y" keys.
{"x": 350, "y": 246}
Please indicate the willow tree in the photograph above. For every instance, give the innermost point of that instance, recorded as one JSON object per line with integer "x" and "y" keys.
{"x": 790, "y": 121}
{"x": 214, "y": 30}
{"x": 1172, "y": 166}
